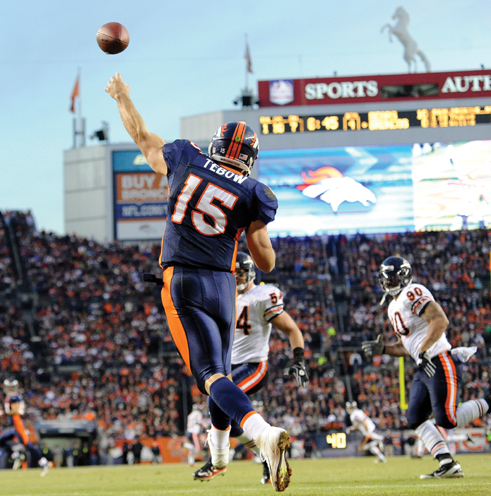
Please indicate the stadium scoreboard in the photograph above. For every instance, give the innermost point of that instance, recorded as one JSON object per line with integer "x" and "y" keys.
{"x": 376, "y": 120}
{"x": 343, "y": 154}
{"x": 376, "y": 153}
{"x": 422, "y": 107}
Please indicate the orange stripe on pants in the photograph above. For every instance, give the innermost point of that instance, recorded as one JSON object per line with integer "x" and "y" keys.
{"x": 175, "y": 325}
{"x": 21, "y": 430}
{"x": 451, "y": 377}
{"x": 255, "y": 378}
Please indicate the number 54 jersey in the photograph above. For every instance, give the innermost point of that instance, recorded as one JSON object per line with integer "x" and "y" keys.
{"x": 255, "y": 310}
{"x": 405, "y": 314}
{"x": 209, "y": 207}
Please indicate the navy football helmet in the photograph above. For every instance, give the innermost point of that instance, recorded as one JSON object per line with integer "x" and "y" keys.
{"x": 395, "y": 274}
{"x": 235, "y": 144}
{"x": 245, "y": 265}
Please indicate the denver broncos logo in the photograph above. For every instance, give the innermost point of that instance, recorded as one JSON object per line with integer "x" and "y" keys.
{"x": 314, "y": 177}
{"x": 330, "y": 186}
{"x": 224, "y": 129}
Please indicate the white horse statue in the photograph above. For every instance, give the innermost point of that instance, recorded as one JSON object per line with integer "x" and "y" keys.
{"x": 400, "y": 29}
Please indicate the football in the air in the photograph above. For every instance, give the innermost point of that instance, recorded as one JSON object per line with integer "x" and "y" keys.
{"x": 113, "y": 38}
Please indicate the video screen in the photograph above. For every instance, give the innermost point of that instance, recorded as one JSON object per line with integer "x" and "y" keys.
{"x": 379, "y": 189}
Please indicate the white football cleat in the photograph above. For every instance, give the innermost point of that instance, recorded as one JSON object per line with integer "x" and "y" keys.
{"x": 18, "y": 459}
{"x": 219, "y": 456}
{"x": 44, "y": 464}
{"x": 273, "y": 442}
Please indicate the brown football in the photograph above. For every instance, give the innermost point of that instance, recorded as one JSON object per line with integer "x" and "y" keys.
{"x": 113, "y": 38}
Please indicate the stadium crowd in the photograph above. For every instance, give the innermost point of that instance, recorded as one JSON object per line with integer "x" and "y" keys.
{"x": 103, "y": 349}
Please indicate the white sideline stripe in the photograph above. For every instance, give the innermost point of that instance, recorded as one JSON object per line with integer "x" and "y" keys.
{"x": 322, "y": 487}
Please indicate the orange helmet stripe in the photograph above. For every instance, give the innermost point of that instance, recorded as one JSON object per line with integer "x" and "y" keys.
{"x": 237, "y": 140}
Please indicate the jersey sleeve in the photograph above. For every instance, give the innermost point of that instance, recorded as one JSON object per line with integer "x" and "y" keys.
{"x": 173, "y": 153}
{"x": 267, "y": 204}
{"x": 272, "y": 303}
{"x": 179, "y": 151}
{"x": 416, "y": 298}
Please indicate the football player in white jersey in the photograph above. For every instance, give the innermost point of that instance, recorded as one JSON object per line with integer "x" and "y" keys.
{"x": 372, "y": 441}
{"x": 259, "y": 307}
{"x": 195, "y": 425}
{"x": 420, "y": 324}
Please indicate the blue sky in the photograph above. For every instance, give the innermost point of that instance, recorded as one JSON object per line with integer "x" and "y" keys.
{"x": 187, "y": 58}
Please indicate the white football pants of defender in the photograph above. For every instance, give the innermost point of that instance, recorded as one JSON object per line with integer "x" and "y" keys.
{"x": 375, "y": 447}
{"x": 191, "y": 453}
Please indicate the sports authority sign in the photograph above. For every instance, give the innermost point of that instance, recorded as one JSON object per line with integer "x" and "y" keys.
{"x": 382, "y": 88}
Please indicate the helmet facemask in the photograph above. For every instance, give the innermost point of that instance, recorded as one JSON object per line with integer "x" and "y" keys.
{"x": 244, "y": 266}
{"x": 10, "y": 386}
{"x": 395, "y": 274}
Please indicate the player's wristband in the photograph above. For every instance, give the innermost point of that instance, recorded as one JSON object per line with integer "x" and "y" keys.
{"x": 298, "y": 354}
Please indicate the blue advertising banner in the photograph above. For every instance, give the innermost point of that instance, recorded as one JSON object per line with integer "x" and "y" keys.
{"x": 130, "y": 161}
{"x": 140, "y": 198}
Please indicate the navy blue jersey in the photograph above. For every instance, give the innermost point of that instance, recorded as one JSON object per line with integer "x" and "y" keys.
{"x": 9, "y": 401}
{"x": 209, "y": 208}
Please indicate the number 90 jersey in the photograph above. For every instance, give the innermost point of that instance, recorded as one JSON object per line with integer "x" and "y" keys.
{"x": 209, "y": 208}
{"x": 255, "y": 310}
{"x": 405, "y": 316}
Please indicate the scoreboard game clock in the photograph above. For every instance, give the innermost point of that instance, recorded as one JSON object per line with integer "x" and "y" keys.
{"x": 377, "y": 120}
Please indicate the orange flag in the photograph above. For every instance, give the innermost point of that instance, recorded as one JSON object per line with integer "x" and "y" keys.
{"x": 75, "y": 93}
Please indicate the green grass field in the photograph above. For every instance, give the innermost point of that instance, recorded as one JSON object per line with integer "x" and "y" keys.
{"x": 337, "y": 477}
